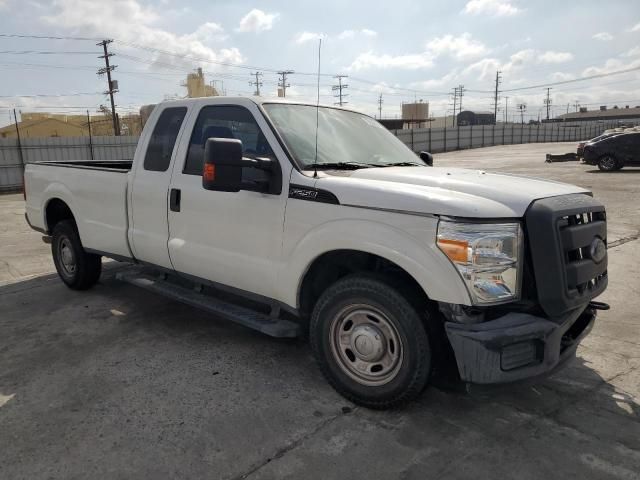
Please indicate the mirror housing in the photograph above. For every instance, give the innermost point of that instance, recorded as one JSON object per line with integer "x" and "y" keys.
{"x": 427, "y": 158}
{"x": 222, "y": 166}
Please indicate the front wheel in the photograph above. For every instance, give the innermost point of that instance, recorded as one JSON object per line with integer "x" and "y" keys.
{"x": 78, "y": 269}
{"x": 608, "y": 163}
{"x": 370, "y": 342}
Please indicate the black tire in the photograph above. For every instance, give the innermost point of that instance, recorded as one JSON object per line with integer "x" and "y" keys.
{"x": 348, "y": 298}
{"x": 78, "y": 269}
{"x": 608, "y": 163}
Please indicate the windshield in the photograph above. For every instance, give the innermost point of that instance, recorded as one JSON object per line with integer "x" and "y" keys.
{"x": 343, "y": 137}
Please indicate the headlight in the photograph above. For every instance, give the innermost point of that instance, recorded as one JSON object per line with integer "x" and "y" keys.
{"x": 488, "y": 257}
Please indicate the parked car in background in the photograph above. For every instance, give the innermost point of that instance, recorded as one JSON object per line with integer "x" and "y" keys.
{"x": 607, "y": 134}
{"x": 614, "y": 152}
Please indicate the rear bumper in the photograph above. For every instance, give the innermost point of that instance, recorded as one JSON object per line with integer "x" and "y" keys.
{"x": 517, "y": 346}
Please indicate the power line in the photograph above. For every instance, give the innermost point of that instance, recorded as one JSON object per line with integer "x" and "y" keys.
{"x": 112, "y": 85}
{"x": 283, "y": 81}
{"x": 47, "y": 37}
{"x": 43, "y": 52}
{"x": 52, "y": 95}
{"x": 339, "y": 88}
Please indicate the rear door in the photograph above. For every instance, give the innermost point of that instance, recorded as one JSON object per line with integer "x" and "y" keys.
{"x": 231, "y": 238}
{"x": 149, "y": 231}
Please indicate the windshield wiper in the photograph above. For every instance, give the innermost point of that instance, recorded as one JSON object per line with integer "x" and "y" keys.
{"x": 340, "y": 166}
{"x": 403, "y": 164}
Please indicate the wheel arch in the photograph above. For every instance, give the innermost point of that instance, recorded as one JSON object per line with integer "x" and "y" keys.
{"x": 329, "y": 267}
{"x": 55, "y": 211}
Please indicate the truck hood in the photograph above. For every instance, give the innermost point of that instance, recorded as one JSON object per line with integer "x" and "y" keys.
{"x": 454, "y": 192}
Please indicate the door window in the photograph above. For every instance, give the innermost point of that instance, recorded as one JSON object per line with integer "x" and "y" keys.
{"x": 225, "y": 122}
{"x": 163, "y": 139}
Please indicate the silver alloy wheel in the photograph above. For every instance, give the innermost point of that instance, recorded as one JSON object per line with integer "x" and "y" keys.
{"x": 608, "y": 162}
{"x": 366, "y": 345}
{"x": 66, "y": 256}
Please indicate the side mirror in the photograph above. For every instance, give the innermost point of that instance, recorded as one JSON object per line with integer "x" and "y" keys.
{"x": 222, "y": 167}
{"x": 427, "y": 158}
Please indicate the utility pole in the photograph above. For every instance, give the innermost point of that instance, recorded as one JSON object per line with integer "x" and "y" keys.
{"x": 257, "y": 82}
{"x": 522, "y": 107}
{"x": 460, "y": 95}
{"x": 495, "y": 99}
{"x": 455, "y": 103}
{"x": 577, "y": 105}
{"x": 112, "y": 84}
{"x": 338, "y": 88}
{"x": 547, "y": 101}
{"x": 282, "y": 83}
{"x": 506, "y": 109}
{"x": 380, "y": 106}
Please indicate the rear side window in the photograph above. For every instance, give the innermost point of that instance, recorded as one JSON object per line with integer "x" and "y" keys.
{"x": 225, "y": 121}
{"x": 163, "y": 139}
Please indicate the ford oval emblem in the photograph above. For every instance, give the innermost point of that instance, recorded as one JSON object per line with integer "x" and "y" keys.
{"x": 597, "y": 250}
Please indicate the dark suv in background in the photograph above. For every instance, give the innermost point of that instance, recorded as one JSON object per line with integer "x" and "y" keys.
{"x": 614, "y": 152}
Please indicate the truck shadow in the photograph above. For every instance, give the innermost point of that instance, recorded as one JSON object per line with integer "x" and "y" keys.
{"x": 617, "y": 172}
{"x": 140, "y": 324}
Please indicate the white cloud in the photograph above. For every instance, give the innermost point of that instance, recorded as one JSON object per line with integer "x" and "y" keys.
{"x": 603, "y": 36}
{"x": 461, "y": 48}
{"x": 370, "y": 59}
{"x": 561, "y": 76}
{"x": 634, "y": 52}
{"x": 129, "y": 21}
{"x": 483, "y": 69}
{"x": 305, "y": 37}
{"x": 555, "y": 57}
{"x": 345, "y": 34}
{"x": 499, "y": 8}
{"x": 635, "y": 28}
{"x": 611, "y": 65}
{"x": 257, "y": 21}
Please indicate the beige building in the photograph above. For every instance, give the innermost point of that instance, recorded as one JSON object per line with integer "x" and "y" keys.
{"x": 44, "y": 124}
{"x": 197, "y": 87}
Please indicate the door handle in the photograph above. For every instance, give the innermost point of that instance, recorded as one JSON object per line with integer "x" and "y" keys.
{"x": 174, "y": 200}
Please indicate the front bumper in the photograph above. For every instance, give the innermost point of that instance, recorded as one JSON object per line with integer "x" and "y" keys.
{"x": 517, "y": 346}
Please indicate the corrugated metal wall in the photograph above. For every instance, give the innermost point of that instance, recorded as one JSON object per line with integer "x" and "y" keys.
{"x": 58, "y": 148}
{"x": 429, "y": 139}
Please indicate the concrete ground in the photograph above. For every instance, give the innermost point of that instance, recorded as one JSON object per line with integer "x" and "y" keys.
{"x": 118, "y": 383}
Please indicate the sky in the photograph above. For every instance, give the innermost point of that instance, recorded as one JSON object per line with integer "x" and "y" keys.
{"x": 402, "y": 50}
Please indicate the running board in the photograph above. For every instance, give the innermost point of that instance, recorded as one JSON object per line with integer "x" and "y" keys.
{"x": 275, "y": 327}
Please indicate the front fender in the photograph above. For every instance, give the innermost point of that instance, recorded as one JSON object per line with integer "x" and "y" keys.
{"x": 410, "y": 246}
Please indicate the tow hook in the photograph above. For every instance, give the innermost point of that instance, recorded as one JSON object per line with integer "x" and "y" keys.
{"x": 599, "y": 305}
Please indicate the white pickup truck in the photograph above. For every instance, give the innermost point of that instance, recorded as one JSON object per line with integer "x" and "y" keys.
{"x": 296, "y": 220}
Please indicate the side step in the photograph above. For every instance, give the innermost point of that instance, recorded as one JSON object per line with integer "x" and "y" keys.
{"x": 274, "y": 327}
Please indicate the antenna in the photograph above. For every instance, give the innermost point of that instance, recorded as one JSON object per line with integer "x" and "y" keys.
{"x": 315, "y": 160}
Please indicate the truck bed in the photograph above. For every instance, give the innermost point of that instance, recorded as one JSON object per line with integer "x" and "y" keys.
{"x": 94, "y": 190}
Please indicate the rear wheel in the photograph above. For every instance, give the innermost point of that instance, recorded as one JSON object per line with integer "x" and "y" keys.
{"x": 78, "y": 269}
{"x": 370, "y": 342}
{"x": 608, "y": 163}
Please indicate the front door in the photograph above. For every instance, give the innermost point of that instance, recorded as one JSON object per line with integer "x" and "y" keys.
{"x": 232, "y": 238}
